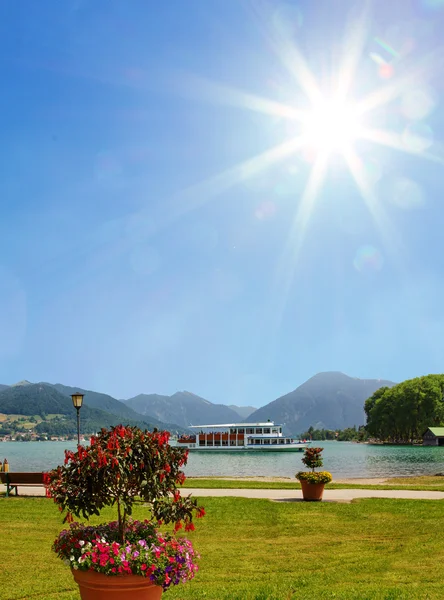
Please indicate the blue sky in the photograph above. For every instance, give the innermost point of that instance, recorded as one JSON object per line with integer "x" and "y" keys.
{"x": 142, "y": 252}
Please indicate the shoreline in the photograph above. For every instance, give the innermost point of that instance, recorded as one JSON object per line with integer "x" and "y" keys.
{"x": 351, "y": 480}
{"x": 343, "y": 480}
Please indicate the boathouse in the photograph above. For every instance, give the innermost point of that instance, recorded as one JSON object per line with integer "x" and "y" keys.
{"x": 434, "y": 436}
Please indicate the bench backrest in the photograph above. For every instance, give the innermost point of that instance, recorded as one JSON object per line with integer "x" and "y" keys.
{"x": 21, "y": 478}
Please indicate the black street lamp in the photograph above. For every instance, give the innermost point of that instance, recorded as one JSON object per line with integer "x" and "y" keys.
{"x": 77, "y": 400}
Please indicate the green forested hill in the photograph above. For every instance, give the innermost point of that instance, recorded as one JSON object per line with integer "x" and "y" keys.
{"x": 404, "y": 412}
{"x": 107, "y": 403}
{"x": 43, "y": 399}
{"x": 34, "y": 399}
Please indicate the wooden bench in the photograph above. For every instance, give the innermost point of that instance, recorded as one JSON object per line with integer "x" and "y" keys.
{"x": 14, "y": 480}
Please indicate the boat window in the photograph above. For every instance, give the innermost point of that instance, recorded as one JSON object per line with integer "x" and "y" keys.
{"x": 282, "y": 441}
{"x": 257, "y": 442}
{"x": 241, "y": 443}
{"x": 266, "y": 430}
{"x": 217, "y": 442}
{"x": 288, "y": 441}
{"x": 267, "y": 442}
{"x": 250, "y": 442}
{"x": 258, "y": 429}
{"x": 250, "y": 430}
{"x": 232, "y": 443}
{"x": 232, "y": 430}
{"x": 241, "y": 430}
{"x": 274, "y": 441}
{"x": 224, "y": 442}
{"x": 201, "y": 442}
{"x": 274, "y": 430}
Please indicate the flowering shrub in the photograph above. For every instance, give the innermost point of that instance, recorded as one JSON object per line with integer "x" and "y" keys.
{"x": 120, "y": 467}
{"x": 312, "y": 458}
{"x": 316, "y": 477}
{"x": 162, "y": 558}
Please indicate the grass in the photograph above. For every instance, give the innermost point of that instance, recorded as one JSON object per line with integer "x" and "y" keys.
{"x": 407, "y": 483}
{"x": 7, "y": 419}
{"x": 259, "y": 550}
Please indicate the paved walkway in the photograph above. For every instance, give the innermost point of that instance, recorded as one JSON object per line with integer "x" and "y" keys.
{"x": 285, "y": 495}
{"x": 329, "y": 495}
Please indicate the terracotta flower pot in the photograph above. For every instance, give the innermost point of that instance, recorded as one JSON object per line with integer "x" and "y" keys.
{"x": 97, "y": 586}
{"x": 312, "y": 491}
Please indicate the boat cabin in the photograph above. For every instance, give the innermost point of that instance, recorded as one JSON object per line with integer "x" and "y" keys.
{"x": 236, "y": 435}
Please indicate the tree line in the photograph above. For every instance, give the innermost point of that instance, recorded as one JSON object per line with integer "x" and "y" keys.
{"x": 349, "y": 434}
{"x": 403, "y": 413}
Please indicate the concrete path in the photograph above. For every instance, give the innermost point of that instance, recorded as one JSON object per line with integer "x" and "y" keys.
{"x": 329, "y": 495}
{"x": 285, "y": 495}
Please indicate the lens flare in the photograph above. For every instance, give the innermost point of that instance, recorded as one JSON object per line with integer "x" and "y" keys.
{"x": 368, "y": 258}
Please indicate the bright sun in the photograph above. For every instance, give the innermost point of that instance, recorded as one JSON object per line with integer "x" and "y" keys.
{"x": 331, "y": 126}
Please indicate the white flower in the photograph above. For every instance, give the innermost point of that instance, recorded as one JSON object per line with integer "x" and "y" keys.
{"x": 72, "y": 558}
{"x": 81, "y": 543}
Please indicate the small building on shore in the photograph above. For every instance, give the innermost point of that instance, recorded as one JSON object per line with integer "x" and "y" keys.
{"x": 434, "y": 436}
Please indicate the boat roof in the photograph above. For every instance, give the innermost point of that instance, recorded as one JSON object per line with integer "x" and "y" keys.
{"x": 267, "y": 424}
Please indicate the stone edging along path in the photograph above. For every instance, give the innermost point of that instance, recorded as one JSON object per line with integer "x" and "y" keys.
{"x": 286, "y": 495}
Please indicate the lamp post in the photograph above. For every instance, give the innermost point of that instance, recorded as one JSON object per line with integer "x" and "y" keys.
{"x": 77, "y": 400}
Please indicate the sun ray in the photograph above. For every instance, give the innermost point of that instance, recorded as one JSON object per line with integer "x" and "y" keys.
{"x": 395, "y": 141}
{"x": 200, "y": 193}
{"x": 289, "y": 55}
{"x": 287, "y": 264}
{"x": 392, "y": 242}
{"x": 353, "y": 48}
{"x": 217, "y": 93}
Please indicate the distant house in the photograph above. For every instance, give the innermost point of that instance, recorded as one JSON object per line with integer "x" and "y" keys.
{"x": 434, "y": 436}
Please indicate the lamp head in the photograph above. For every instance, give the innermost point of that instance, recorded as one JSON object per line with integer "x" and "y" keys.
{"x": 77, "y": 400}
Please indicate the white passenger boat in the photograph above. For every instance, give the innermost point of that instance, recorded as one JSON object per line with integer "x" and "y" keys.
{"x": 240, "y": 437}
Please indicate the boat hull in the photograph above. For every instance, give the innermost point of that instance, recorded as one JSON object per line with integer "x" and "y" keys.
{"x": 244, "y": 450}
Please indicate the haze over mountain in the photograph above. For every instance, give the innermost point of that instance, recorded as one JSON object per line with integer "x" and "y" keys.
{"x": 243, "y": 411}
{"x": 328, "y": 400}
{"x": 184, "y": 408}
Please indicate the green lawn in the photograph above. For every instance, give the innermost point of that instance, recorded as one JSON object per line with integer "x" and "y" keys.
{"x": 407, "y": 483}
{"x": 259, "y": 550}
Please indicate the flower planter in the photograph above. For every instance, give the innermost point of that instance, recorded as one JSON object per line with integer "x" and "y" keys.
{"x": 97, "y": 586}
{"x": 116, "y": 560}
{"x": 312, "y": 492}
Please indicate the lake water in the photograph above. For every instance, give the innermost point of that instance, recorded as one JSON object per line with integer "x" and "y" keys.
{"x": 342, "y": 459}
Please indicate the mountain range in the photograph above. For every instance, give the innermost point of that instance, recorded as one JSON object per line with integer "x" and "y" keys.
{"x": 183, "y": 408}
{"x": 330, "y": 400}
